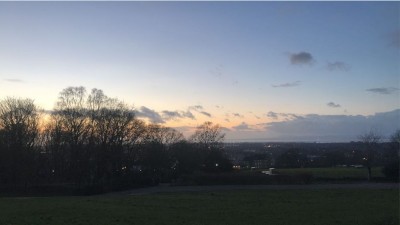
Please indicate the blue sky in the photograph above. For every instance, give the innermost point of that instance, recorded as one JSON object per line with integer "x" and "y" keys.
{"x": 256, "y": 68}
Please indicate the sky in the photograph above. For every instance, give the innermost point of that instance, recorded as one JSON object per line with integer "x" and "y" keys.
{"x": 264, "y": 71}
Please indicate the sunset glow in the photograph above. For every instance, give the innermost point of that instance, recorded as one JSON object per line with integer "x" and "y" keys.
{"x": 262, "y": 70}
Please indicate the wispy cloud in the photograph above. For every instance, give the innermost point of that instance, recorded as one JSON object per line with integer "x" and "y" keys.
{"x": 198, "y": 109}
{"x": 174, "y": 115}
{"x": 168, "y": 115}
{"x": 150, "y": 114}
{"x": 287, "y": 116}
{"x": 188, "y": 114}
{"x": 195, "y": 108}
{"x": 333, "y": 105}
{"x": 13, "y": 80}
{"x": 289, "y": 84}
{"x": 383, "y": 90}
{"x": 337, "y": 66}
{"x": 301, "y": 58}
{"x": 272, "y": 115}
{"x": 205, "y": 113}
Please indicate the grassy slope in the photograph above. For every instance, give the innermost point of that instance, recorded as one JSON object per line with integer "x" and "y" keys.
{"x": 277, "y": 207}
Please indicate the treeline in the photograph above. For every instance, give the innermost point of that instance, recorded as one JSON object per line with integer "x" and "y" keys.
{"x": 95, "y": 142}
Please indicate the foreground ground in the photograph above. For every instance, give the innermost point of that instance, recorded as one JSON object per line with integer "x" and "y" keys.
{"x": 165, "y": 188}
{"x": 353, "y": 205}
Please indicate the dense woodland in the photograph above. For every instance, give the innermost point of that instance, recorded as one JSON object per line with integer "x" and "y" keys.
{"x": 91, "y": 141}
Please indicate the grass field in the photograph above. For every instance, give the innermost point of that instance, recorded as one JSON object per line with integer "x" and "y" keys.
{"x": 276, "y": 207}
{"x": 336, "y": 172}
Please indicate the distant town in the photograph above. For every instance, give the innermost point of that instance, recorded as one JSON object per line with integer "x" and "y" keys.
{"x": 257, "y": 155}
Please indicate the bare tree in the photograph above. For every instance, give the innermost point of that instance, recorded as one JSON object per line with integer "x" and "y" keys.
{"x": 208, "y": 136}
{"x": 110, "y": 119}
{"x": 370, "y": 141}
{"x": 72, "y": 115}
{"x": 172, "y": 136}
{"x": 19, "y": 119}
{"x": 112, "y": 123}
{"x": 163, "y": 135}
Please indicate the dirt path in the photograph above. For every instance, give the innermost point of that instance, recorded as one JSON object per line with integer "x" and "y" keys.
{"x": 165, "y": 188}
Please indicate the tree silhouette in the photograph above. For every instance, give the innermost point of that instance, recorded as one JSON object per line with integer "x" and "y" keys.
{"x": 94, "y": 142}
{"x": 370, "y": 140}
{"x": 19, "y": 119}
{"x": 208, "y": 138}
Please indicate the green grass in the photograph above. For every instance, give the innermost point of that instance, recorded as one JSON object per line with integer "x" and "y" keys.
{"x": 336, "y": 172}
{"x": 276, "y": 207}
